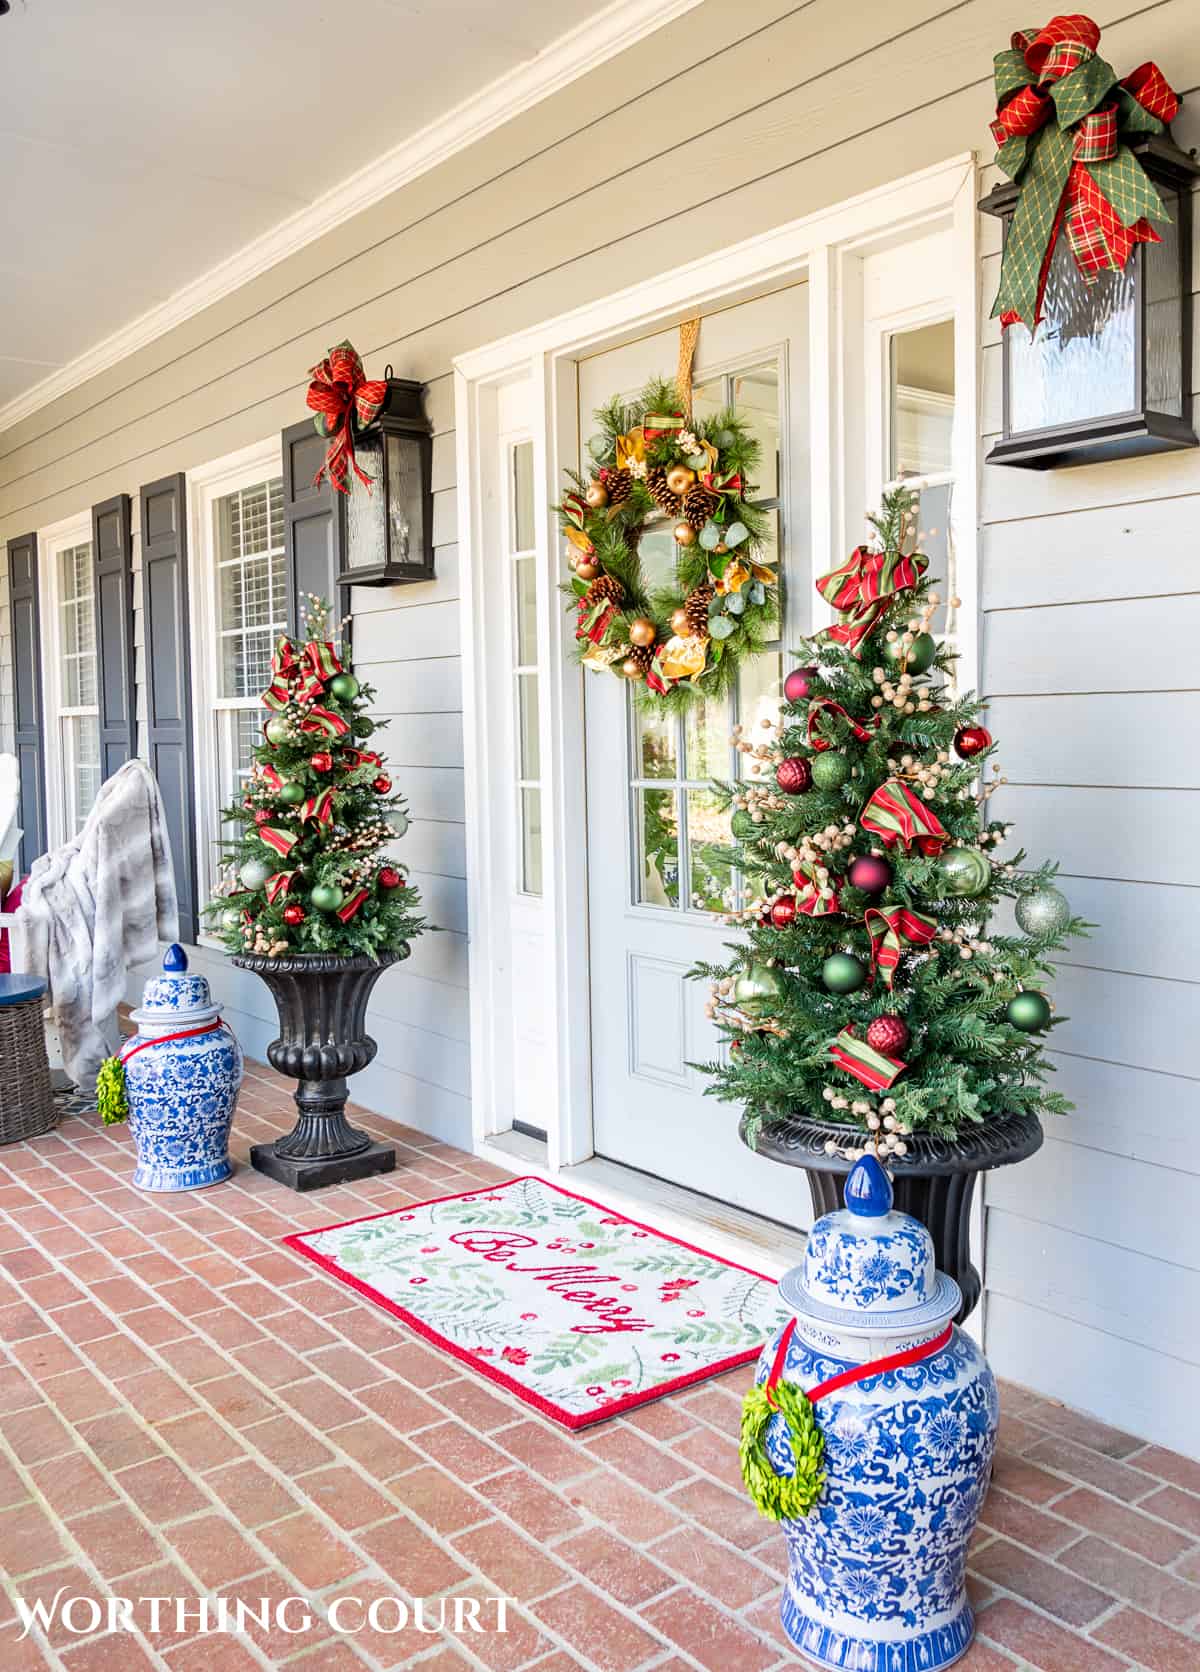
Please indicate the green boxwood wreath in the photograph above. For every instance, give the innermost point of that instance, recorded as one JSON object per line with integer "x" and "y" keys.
{"x": 730, "y": 595}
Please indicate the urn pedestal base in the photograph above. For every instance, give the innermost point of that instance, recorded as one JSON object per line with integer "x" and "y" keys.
{"x": 843, "y": 1651}
{"x": 322, "y": 1004}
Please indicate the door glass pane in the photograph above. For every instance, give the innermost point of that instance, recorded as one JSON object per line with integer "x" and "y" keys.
{"x": 933, "y": 538}
{"x": 522, "y": 532}
{"x": 655, "y": 755}
{"x": 707, "y": 726}
{"x": 922, "y": 400}
{"x": 658, "y": 552}
{"x": 760, "y": 683}
{"x": 712, "y": 878}
{"x": 756, "y": 397}
{"x": 708, "y": 398}
{"x": 526, "y": 594}
{"x": 527, "y": 719}
{"x": 531, "y": 841}
{"x": 658, "y": 847}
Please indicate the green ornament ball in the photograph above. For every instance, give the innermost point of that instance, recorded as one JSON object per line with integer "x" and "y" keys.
{"x": 254, "y": 873}
{"x": 756, "y": 990}
{"x": 919, "y": 659}
{"x": 1043, "y": 911}
{"x": 963, "y": 872}
{"x": 742, "y": 826}
{"x": 830, "y": 771}
{"x": 231, "y": 918}
{"x": 276, "y": 729}
{"x": 291, "y": 794}
{"x": 842, "y": 972}
{"x": 327, "y": 896}
{"x": 1029, "y": 1011}
{"x": 344, "y": 687}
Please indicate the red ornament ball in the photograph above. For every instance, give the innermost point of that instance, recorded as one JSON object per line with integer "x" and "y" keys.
{"x": 798, "y": 683}
{"x": 382, "y": 784}
{"x": 870, "y": 873}
{"x": 293, "y": 914}
{"x": 322, "y": 761}
{"x": 783, "y": 911}
{"x": 794, "y": 775}
{"x": 888, "y": 1034}
{"x": 389, "y": 877}
{"x": 970, "y": 741}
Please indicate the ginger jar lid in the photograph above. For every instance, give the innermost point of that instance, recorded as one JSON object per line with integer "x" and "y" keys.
{"x": 175, "y": 995}
{"x": 869, "y": 1268}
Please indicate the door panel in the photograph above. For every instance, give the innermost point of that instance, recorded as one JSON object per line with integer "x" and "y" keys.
{"x": 654, "y": 885}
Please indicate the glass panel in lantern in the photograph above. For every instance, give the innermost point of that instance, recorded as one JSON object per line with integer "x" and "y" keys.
{"x": 922, "y": 400}
{"x": 712, "y": 879}
{"x": 1164, "y": 315}
{"x": 756, "y": 399}
{"x": 654, "y": 754}
{"x": 406, "y": 504}
{"x": 366, "y": 513}
{"x": 522, "y": 529}
{"x": 658, "y": 847}
{"x": 1082, "y": 362}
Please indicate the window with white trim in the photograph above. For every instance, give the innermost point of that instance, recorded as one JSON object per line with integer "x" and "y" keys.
{"x": 78, "y": 706}
{"x": 920, "y": 432}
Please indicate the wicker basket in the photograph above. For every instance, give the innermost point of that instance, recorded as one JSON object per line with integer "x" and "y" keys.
{"x": 27, "y": 1106}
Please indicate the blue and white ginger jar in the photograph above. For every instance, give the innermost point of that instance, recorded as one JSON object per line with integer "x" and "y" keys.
{"x": 876, "y": 1569}
{"x": 182, "y": 1092}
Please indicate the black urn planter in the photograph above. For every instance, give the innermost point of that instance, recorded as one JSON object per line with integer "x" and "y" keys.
{"x": 935, "y": 1181}
{"x": 322, "y": 1005}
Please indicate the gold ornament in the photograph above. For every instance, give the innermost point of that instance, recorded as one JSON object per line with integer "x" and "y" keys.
{"x": 586, "y": 571}
{"x": 641, "y": 631}
{"x": 680, "y": 479}
{"x": 680, "y": 625}
{"x": 631, "y": 669}
{"x": 685, "y": 534}
{"x": 596, "y": 495}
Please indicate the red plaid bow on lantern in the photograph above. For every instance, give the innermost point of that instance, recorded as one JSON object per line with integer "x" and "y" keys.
{"x": 341, "y": 396}
{"x": 1061, "y": 121}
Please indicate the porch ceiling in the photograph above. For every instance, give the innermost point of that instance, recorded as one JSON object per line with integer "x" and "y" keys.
{"x": 144, "y": 142}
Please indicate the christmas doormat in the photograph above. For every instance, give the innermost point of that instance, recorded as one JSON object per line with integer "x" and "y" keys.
{"x": 577, "y": 1310}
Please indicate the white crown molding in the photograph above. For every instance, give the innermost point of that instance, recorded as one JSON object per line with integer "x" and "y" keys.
{"x": 619, "y": 26}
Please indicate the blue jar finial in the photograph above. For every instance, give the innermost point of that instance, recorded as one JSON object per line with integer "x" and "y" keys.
{"x": 174, "y": 959}
{"x": 868, "y": 1189}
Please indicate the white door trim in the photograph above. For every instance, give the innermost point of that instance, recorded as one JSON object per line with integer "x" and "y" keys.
{"x": 815, "y": 247}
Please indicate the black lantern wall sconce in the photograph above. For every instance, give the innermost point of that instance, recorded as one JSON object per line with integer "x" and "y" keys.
{"x": 389, "y": 526}
{"x": 1107, "y": 374}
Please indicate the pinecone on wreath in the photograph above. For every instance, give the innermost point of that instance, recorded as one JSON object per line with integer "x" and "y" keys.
{"x": 642, "y": 655}
{"x": 695, "y": 607}
{"x": 620, "y": 485}
{"x": 605, "y": 588}
{"x": 660, "y": 493}
{"x": 698, "y": 506}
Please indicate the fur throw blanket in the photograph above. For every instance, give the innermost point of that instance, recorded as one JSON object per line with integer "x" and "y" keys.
{"x": 96, "y": 907}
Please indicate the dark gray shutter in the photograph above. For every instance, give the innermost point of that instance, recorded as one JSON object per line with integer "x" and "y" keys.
{"x": 112, "y": 558}
{"x": 163, "y": 523}
{"x": 314, "y": 523}
{"x": 25, "y": 625}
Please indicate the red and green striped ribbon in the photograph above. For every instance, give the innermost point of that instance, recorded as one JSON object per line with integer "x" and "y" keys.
{"x": 861, "y": 587}
{"x": 895, "y": 814}
{"x": 323, "y": 721}
{"x": 361, "y": 757}
{"x": 318, "y": 663}
{"x": 872, "y": 1068}
{"x": 282, "y": 841}
{"x": 889, "y": 928}
{"x": 809, "y": 901}
{"x": 347, "y": 911}
{"x": 283, "y": 664}
{"x": 271, "y": 778}
{"x": 278, "y": 885}
{"x": 826, "y": 705}
{"x": 319, "y": 807}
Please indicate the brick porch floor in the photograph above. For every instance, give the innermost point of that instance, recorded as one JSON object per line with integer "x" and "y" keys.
{"x": 186, "y": 1408}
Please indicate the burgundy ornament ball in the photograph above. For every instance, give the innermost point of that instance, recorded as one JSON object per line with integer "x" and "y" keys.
{"x": 794, "y": 775}
{"x": 293, "y": 914}
{"x": 888, "y": 1034}
{"x": 870, "y": 873}
{"x": 970, "y": 741}
{"x": 390, "y": 878}
{"x": 798, "y": 683}
{"x": 783, "y": 911}
{"x": 382, "y": 784}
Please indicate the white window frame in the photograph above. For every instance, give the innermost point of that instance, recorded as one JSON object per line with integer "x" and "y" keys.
{"x": 824, "y": 248}
{"x": 52, "y": 542}
{"x": 205, "y": 486}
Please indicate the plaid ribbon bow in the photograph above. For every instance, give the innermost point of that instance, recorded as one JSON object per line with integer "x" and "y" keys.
{"x": 863, "y": 585}
{"x": 318, "y": 664}
{"x": 888, "y": 929}
{"x": 342, "y": 396}
{"x": 826, "y": 705}
{"x": 895, "y": 814}
{"x": 1062, "y": 119}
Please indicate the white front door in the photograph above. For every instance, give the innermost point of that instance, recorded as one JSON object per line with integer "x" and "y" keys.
{"x": 654, "y": 891}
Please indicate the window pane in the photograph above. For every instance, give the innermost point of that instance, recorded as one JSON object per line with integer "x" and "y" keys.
{"x": 759, "y": 698}
{"x": 756, "y": 399}
{"x": 658, "y": 552}
{"x": 526, "y": 592}
{"x": 708, "y": 398}
{"x": 658, "y": 847}
{"x": 527, "y": 721}
{"x": 531, "y": 841}
{"x": 251, "y": 598}
{"x": 81, "y": 750}
{"x": 922, "y": 400}
{"x": 522, "y": 529}
{"x": 706, "y": 730}
{"x": 77, "y": 626}
{"x": 711, "y": 876}
{"x": 654, "y": 749}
